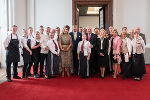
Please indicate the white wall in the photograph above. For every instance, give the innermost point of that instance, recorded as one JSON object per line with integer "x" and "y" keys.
{"x": 31, "y": 13}
{"x": 18, "y": 18}
{"x": 53, "y": 13}
{"x": 0, "y": 31}
{"x": 85, "y": 21}
{"x": 20, "y": 15}
{"x": 132, "y": 13}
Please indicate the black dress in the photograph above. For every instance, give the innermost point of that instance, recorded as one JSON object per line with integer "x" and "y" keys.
{"x": 138, "y": 59}
{"x": 102, "y": 60}
{"x": 126, "y": 67}
{"x": 138, "y": 65}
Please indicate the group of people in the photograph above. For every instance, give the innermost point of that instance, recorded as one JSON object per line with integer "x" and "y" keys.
{"x": 82, "y": 53}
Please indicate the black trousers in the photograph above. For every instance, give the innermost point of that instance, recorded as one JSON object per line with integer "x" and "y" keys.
{"x": 111, "y": 61}
{"x": 122, "y": 64}
{"x": 24, "y": 70}
{"x": 29, "y": 67}
{"x": 36, "y": 61}
{"x": 84, "y": 67}
{"x": 42, "y": 59}
{"x": 75, "y": 62}
{"x": 8, "y": 69}
{"x": 35, "y": 68}
{"x": 92, "y": 64}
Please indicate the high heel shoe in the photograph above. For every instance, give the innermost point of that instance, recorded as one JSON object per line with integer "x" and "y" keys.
{"x": 68, "y": 74}
{"x": 114, "y": 76}
{"x": 63, "y": 74}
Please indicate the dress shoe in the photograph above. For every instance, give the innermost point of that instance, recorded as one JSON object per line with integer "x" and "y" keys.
{"x": 29, "y": 74}
{"x": 46, "y": 77}
{"x": 9, "y": 80}
{"x": 17, "y": 77}
{"x": 23, "y": 77}
{"x": 84, "y": 77}
{"x": 37, "y": 75}
{"x": 101, "y": 77}
{"x": 41, "y": 75}
{"x": 137, "y": 79}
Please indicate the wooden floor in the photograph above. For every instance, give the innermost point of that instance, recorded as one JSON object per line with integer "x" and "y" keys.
{"x": 3, "y": 73}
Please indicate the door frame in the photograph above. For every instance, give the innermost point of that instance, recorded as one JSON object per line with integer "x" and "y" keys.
{"x": 108, "y": 4}
{"x": 103, "y": 17}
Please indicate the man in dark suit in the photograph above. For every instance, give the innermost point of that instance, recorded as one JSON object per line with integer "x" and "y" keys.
{"x": 76, "y": 38}
{"x": 91, "y": 37}
{"x": 141, "y": 34}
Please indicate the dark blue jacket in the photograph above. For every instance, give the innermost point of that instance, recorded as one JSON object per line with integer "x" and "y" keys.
{"x": 78, "y": 39}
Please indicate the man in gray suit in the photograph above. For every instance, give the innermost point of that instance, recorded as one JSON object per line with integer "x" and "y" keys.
{"x": 141, "y": 34}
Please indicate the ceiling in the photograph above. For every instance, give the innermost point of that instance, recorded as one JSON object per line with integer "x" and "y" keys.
{"x": 83, "y": 11}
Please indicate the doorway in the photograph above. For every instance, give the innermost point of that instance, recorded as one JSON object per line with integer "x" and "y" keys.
{"x": 91, "y": 16}
{"x": 105, "y": 12}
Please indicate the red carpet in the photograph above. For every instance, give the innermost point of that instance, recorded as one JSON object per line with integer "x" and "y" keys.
{"x": 74, "y": 88}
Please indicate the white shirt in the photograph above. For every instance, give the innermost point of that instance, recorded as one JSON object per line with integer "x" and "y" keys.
{"x": 134, "y": 44}
{"x": 51, "y": 46}
{"x": 86, "y": 49}
{"x": 43, "y": 40}
{"x": 56, "y": 36}
{"x": 8, "y": 38}
{"x": 30, "y": 36}
{"x": 42, "y": 35}
{"x": 24, "y": 41}
{"x": 33, "y": 42}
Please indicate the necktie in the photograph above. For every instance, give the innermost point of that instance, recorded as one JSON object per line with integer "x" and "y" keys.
{"x": 88, "y": 37}
{"x": 56, "y": 48}
{"x": 75, "y": 35}
{"x": 57, "y": 37}
{"x": 82, "y": 47}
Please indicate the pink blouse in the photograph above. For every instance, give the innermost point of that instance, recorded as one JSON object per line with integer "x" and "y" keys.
{"x": 117, "y": 44}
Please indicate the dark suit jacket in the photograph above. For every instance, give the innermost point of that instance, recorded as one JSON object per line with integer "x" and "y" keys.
{"x": 143, "y": 37}
{"x": 93, "y": 38}
{"x": 78, "y": 39}
{"x": 110, "y": 35}
{"x": 105, "y": 44}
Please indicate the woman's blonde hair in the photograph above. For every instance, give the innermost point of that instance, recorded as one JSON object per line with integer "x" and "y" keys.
{"x": 103, "y": 31}
{"x": 115, "y": 30}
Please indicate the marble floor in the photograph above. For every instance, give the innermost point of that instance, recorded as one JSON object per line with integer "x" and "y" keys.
{"x": 3, "y": 73}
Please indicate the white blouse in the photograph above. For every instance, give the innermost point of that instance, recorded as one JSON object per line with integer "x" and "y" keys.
{"x": 43, "y": 40}
{"x": 129, "y": 47}
{"x": 33, "y": 42}
{"x": 134, "y": 45}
